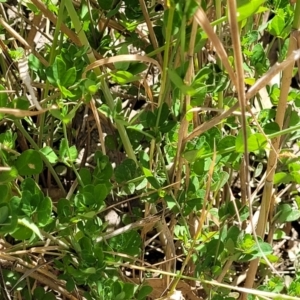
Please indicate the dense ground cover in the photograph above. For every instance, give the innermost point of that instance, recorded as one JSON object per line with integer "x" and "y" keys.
{"x": 149, "y": 149}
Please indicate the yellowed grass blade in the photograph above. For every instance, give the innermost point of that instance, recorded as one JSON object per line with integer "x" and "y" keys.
{"x": 121, "y": 58}
{"x": 22, "y": 113}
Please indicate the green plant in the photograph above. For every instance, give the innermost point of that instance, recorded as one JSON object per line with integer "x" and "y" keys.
{"x": 163, "y": 116}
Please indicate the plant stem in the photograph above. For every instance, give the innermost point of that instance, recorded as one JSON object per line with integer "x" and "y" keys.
{"x": 166, "y": 58}
{"x": 84, "y": 41}
{"x": 267, "y": 204}
{"x": 69, "y": 154}
{"x": 37, "y": 148}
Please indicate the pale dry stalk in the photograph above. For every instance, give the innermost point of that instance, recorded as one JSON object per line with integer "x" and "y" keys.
{"x": 203, "y": 21}
{"x": 238, "y": 60}
{"x": 193, "y": 220}
{"x": 272, "y": 161}
{"x": 152, "y": 34}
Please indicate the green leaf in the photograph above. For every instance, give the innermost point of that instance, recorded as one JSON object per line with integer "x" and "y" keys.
{"x": 22, "y": 233}
{"x": 59, "y": 69}
{"x": 5, "y": 192}
{"x": 122, "y": 77}
{"x": 8, "y": 175}
{"x": 105, "y": 4}
{"x": 93, "y": 89}
{"x": 7, "y": 139}
{"x": 73, "y": 153}
{"x": 199, "y": 96}
{"x": 114, "y": 11}
{"x": 201, "y": 165}
{"x": 151, "y": 179}
{"x": 271, "y": 127}
{"x": 69, "y": 77}
{"x": 67, "y": 154}
{"x": 89, "y": 215}
{"x": 128, "y": 289}
{"x": 44, "y": 211}
{"x": 282, "y": 177}
{"x": 34, "y": 63}
{"x": 49, "y": 296}
{"x": 136, "y": 68}
{"x": 247, "y": 8}
{"x": 294, "y": 288}
{"x": 64, "y": 210}
{"x": 31, "y": 186}
{"x": 56, "y": 113}
{"x": 265, "y": 248}
{"x": 164, "y": 113}
{"x": 276, "y": 25}
{"x": 287, "y": 214}
{"x": 85, "y": 176}
{"x": 65, "y": 92}
{"x": 154, "y": 182}
{"x": 100, "y": 192}
{"x": 52, "y": 73}
{"x": 144, "y": 292}
{"x": 175, "y": 78}
{"x": 49, "y": 153}
{"x": 226, "y": 142}
{"x": 9, "y": 220}
{"x": 296, "y": 176}
{"x": 222, "y": 180}
{"x": 123, "y": 65}
{"x": 21, "y": 103}
{"x": 257, "y": 55}
{"x": 128, "y": 242}
{"x": 29, "y": 163}
{"x": 12, "y": 279}
{"x": 4, "y": 213}
{"x": 26, "y": 222}
{"x": 178, "y": 83}
{"x": 279, "y": 234}
{"x": 239, "y": 142}
{"x": 257, "y": 141}
{"x": 125, "y": 171}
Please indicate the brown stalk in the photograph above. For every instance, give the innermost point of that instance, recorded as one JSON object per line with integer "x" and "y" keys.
{"x": 267, "y": 205}
{"x": 98, "y": 124}
{"x": 259, "y": 84}
{"x": 238, "y": 60}
{"x": 18, "y": 37}
{"x": 183, "y": 130}
{"x": 37, "y": 23}
{"x": 49, "y": 15}
{"x": 41, "y": 274}
{"x": 23, "y": 113}
{"x": 152, "y": 34}
{"x": 120, "y": 58}
{"x": 203, "y": 21}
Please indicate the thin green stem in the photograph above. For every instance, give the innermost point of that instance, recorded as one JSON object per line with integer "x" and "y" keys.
{"x": 69, "y": 154}
{"x": 166, "y": 57}
{"x": 296, "y": 22}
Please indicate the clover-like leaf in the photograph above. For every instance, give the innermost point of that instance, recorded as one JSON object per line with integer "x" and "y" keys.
{"x": 29, "y": 163}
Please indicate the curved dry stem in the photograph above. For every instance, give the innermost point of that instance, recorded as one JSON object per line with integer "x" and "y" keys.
{"x": 203, "y": 21}
{"x": 120, "y": 58}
